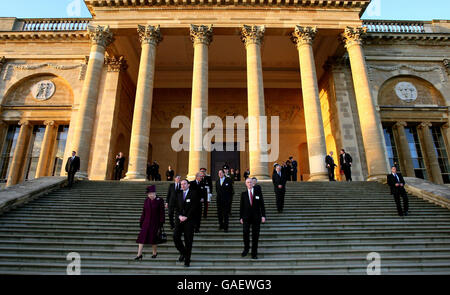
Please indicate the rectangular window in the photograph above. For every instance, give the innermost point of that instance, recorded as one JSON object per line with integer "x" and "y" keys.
{"x": 61, "y": 140}
{"x": 34, "y": 151}
{"x": 391, "y": 147}
{"x": 420, "y": 170}
{"x": 441, "y": 153}
{"x": 7, "y": 154}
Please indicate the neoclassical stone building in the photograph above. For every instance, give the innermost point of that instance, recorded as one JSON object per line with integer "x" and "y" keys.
{"x": 379, "y": 89}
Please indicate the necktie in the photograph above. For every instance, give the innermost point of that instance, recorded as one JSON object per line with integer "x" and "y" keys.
{"x": 184, "y": 196}
{"x": 397, "y": 177}
{"x": 279, "y": 174}
{"x": 251, "y": 197}
{"x": 221, "y": 181}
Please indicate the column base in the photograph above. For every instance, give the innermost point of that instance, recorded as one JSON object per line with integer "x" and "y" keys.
{"x": 81, "y": 175}
{"x": 133, "y": 176}
{"x": 378, "y": 177}
{"x": 319, "y": 177}
{"x": 262, "y": 177}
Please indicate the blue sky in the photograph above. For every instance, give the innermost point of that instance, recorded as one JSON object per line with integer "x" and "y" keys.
{"x": 378, "y": 9}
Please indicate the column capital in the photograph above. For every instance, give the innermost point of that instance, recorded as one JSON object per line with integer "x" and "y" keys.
{"x": 303, "y": 35}
{"x": 201, "y": 34}
{"x": 116, "y": 63}
{"x": 252, "y": 34}
{"x": 49, "y": 123}
{"x": 100, "y": 35}
{"x": 425, "y": 125}
{"x": 400, "y": 124}
{"x": 149, "y": 34}
{"x": 24, "y": 122}
{"x": 353, "y": 36}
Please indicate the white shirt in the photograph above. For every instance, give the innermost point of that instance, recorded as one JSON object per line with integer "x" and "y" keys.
{"x": 222, "y": 180}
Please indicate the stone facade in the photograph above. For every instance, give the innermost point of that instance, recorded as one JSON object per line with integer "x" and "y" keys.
{"x": 118, "y": 82}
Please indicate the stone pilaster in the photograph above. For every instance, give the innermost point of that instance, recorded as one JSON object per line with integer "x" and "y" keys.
{"x": 374, "y": 146}
{"x": 253, "y": 36}
{"x": 2, "y": 62}
{"x": 429, "y": 152}
{"x": 403, "y": 149}
{"x": 3, "y": 132}
{"x": 201, "y": 37}
{"x": 317, "y": 149}
{"x": 102, "y": 155}
{"x": 150, "y": 37}
{"x": 101, "y": 37}
{"x": 17, "y": 164}
{"x": 46, "y": 148}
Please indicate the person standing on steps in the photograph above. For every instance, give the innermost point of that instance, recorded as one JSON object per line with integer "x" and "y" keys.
{"x": 329, "y": 161}
{"x": 224, "y": 190}
{"x": 198, "y": 185}
{"x": 170, "y": 173}
{"x": 397, "y": 184}
{"x": 294, "y": 165}
{"x": 185, "y": 209}
{"x": 345, "y": 160}
{"x": 208, "y": 185}
{"x": 118, "y": 168}
{"x": 174, "y": 188}
{"x": 279, "y": 185}
{"x": 72, "y": 167}
{"x": 252, "y": 213}
{"x": 152, "y": 219}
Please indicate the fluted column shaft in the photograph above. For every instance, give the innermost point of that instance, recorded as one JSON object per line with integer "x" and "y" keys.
{"x": 101, "y": 37}
{"x": 252, "y": 36}
{"x": 430, "y": 152}
{"x": 149, "y": 36}
{"x": 18, "y": 161}
{"x": 317, "y": 149}
{"x": 403, "y": 150}
{"x": 201, "y": 37}
{"x": 46, "y": 147}
{"x": 372, "y": 134}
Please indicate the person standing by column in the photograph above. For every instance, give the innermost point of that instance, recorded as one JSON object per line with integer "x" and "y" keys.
{"x": 279, "y": 185}
{"x": 208, "y": 185}
{"x": 185, "y": 208}
{"x": 294, "y": 165}
{"x": 118, "y": 168}
{"x": 170, "y": 173}
{"x": 224, "y": 190}
{"x": 345, "y": 160}
{"x": 252, "y": 213}
{"x": 199, "y": 186}
{"x": 329, "y": 161}
{"x": 397, "y": 184}
{"x": 72, "y": 167}
{"x": 174, "y": 188}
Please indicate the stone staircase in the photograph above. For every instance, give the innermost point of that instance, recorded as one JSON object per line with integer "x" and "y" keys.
{"x": 326, "y": 228}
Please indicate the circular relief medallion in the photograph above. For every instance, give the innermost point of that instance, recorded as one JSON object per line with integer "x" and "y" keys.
{"x": 406, "y": 91}
{"x": 43, "y": 90}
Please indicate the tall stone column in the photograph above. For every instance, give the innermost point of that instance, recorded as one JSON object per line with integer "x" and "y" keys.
{"x": 46, "y": 148}
{"x": 317, "y": 149}
{"x": 201, "y": 36}
{"x": 403, "y": 149}
{"x": 17, "y": 164}
{"x": 102, "y": 156}
{"x": 372, "y": 134}
{"x": 253, "y": 36}
{"x": 149, "y": 36}
{"x": 101, "y": 37}
{"x": 430, "y": 152}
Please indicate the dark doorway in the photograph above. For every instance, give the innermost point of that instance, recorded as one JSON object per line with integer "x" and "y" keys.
{"x": 220, "y": 158}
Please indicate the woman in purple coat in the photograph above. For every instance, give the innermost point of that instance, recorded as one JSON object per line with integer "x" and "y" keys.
{"x": 152, "y": 219}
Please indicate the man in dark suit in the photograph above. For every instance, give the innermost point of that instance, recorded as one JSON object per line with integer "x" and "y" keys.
{"x": 208, "y": 185}
{"x": 279, "y": 185}
{"x": 397, "y": 184}
{"x": 199, "y": 186}
{"x": 224, "y": 190}
{"x": 252, "y": 213}
{"x": 72, "y": 167}
{"x": 174, "y": 188}
{"x": 118, "y": 168}
{"x": 329, "y": 161}
{"x": 294, "y": 165}
{"x": 345, "y": 160}
{"x": 185, "y": 208}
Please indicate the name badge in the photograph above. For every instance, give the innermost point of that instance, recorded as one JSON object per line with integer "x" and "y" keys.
{"x": 257, "y": 197}
{"x": 226, "y": 183}
{"x": 188, "y": 200}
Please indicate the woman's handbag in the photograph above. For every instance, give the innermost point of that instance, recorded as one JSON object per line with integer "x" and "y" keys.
{"x": 162, "y": 236}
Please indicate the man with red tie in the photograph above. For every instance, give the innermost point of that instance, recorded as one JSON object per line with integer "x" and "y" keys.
{"x": 252, "y": 213}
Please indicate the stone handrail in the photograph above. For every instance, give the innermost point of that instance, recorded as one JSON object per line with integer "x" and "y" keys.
{"x": 55, "y": 24}
{"x": 383, "y": 26}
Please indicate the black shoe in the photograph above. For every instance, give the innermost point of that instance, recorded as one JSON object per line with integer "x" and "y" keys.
{"x": 154, "y": 256}
{"x": 187, "y": 264}
{"x": 225, "y": 230}
{"x": 138, "y": 258}
{"x": 181, "y": 258}
{"x": 221, "y": 227}
{"x": 254, "y": 256}
{"x": 244, "y": 253}
{"x": 406, "y": 213}
{"x": 197, "y": 231}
